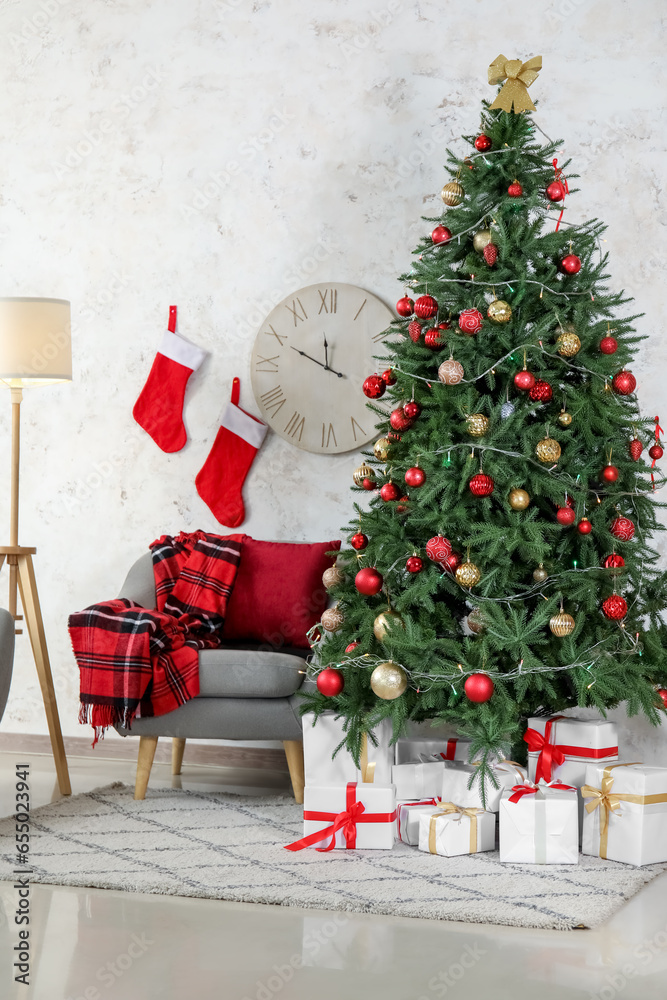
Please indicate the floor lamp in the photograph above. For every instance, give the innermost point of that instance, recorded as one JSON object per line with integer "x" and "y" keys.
{"x": 35, "y": 349}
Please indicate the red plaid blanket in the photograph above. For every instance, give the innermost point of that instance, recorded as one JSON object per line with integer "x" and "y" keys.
{"x": 135, "y": 661}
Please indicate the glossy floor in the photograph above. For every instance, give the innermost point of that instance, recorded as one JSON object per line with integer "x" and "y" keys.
{"x": 91, "y": 944}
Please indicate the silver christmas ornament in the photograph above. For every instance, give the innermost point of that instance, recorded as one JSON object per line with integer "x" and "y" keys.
{"x": 506, "y": 410}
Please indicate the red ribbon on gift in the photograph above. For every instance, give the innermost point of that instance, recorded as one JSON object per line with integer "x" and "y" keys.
{"x": 521, "y": 790}
{"x": 554, "y": 753}
{"x": 355, "y": 812}
{"x": 451, "y": 750}
{"x": 424, "y": 802}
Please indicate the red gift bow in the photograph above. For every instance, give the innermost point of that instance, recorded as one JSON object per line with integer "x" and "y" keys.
{"x": 658, "y": 432}
{"x": 451, "y": 750}
{"x": 521, "y": 790}
{"x": 355, "y": 812}
{"x": 424, "y": 802}
{"x": 554, "y": 753}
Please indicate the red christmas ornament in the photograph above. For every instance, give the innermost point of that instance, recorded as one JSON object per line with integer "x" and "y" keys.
{"x": 359, "y": 541}
{"x": 352, "y": 645}
{"x": 609, "y": 474}
{"x": 453, "y": 561}
{"x": 556, "y": 191}
{"x": 656, "y": 452}
{"x": 482, "y": 143}
{"x": 374, "y": 386}
{"x": 613, "y": 561}
{"x": 441, "y": 234}
{"x": 571, "y": 264}
{"x": 624, "y": 383}
{"x": 402, "y": 505}
{"x": 635, "y": 448}
{"x": 663, "y": 695}
{"x": 390, "y": 492}
{"x": 622, "y": 528}
{"x": 388, "y": 377}
{"x": 565, "y": 516}
{"x": 368, "y": 484}
{"x": 433, "y": 339}
{"x": 405, "y": 306}
{"x": 426, "y": 307}
{"x": 515, "y": 190}
{"x": 444, "y": 326}
{"x": 414, "y": 331}
{"x": 438, "y": 548}
{"x": 368, "y": 581}
{"x": 608, "y": 345}
{"x": 398, "y": 419}
{"x": 541, "y": 392}
{"x": 414, "y": 564}
{"x": 470, "y": 322}
{"x": 330, "y": 682}
{"x": 415, "y": 476}
{"x": 615, "y": 607}
{"x": 393, "y": 436}
{"x": 481, "y": 485}
{"x": 584, "y": 527}
{"x": 524, "y": 380}
{"x": 478, "y": 687}
{"x": 412, "y": 410}
{"x": 490, "y": 254}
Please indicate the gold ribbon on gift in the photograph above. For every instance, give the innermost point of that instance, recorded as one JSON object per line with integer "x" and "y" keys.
{"x": 367, "y": 770}
{"x": 609, "y": 802}
{"x": 448, "y": 809}
{"x": 519, "y": 77}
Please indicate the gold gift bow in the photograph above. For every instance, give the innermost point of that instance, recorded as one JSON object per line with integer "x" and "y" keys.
{"x": 519, "y": 77}
{"x": 608, "y": 801}
{"x": 446, "y": 809}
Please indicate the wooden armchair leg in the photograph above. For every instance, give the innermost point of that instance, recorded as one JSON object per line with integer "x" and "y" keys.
{"x": 177, "y": 748}
{"x": 147, "y": 745}
{"x": 294, "y": 754}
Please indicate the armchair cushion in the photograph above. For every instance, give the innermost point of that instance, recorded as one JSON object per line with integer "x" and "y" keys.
{"x": 248, "y": 673}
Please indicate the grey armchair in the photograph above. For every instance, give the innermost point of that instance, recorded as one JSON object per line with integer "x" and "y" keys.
{"x": 247, "y": 692}
{"x": 7, "y": 628}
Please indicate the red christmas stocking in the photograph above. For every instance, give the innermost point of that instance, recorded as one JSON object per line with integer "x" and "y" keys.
{"x": 221, "y": 477}
{"x": 159, "y": 409}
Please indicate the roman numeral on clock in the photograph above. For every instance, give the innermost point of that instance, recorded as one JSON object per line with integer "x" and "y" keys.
{"x": 294, "y": 426}
{"x": 279, "y": 336}
{"x": 329, "y": 434}
{"x": 328, "y": 300}
{"x": 297, "y": 310}
{"x": 355, "y": 425}
{"x": 273, "y": 400}
{"x": 266, "y": 364}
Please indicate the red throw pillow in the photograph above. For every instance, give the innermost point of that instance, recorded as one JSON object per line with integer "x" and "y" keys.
{"x": 278, "y": 593}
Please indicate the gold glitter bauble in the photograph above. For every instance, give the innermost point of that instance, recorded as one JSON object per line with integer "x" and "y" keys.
{"x": 475, "y": 621}
{"x": 519, "y": 499}
{"x": 381, "y": 449}
{"x": 568, "y": 344}
{"x": 385, "y": 622}
{"x": 540, "y": 574}
{"x": 362, "y": 472}
{"x": 477, "y": 424}
{"x": 548, "y": 450}
{"x": 467, "y": 575}
{"x": 450, "y": 372}
{"x": 499, "y": 311}
{"x": 332, "y": 619}
{"x": 388, "y": 680}
{"x": 481, "y": 239}
{"x": 564, "y": 418}
{"x": 561, "y": 624}
{"x": 332, "y": 577}
{"x": 452, "y": 194}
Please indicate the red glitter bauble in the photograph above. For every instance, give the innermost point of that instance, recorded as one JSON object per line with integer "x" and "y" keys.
{"x": 524, "y": 380}
{"x": 359, "y": 541}
{"x": 571, "y": 264}
{"x": 663, "y": 695}
{"x": 613, "y": 561}
{"x": 352, "y": 645}
{"x": 655, "y": 451}
{"x": 622, "y": 528}
{"x": 541, "y": 392}
{"x": 470, "y": 322}
{"x": 426, "y": 307}
{"x": 390, "y": 492}
{"x": 368, "y": 581}
{"x": 608, "y": 345}
{"x": 369, "y": 484}
{"x": 555, "y": 191}
{"x": 515, "y": 190}
{"x": 441, "y": 234}
{"x": 388, "y": 377}
{"x": 482, "y": 143}
{"x": 374, "y": 386}
{"x": 481, "y": 485}
{"x": 438, "y": 548}
{"x": 433, "y": 339}
{"x": 405, "y": 306}
{"x": 402, "y": 505}
{"x": 412, "y": 410}
{"x": 490, "y": 254}
{"x": 565, "y": 515}
{"x": 414, "y": 331}
{"x": 569, "y": 501}
{"x": 624, "y": 383}
{"x": 609, "y": 474}
{"x": 453, "y": 561}
{"x": 330, "y": 682}
{"x": 615, "y": 607}
{"x": 635, "y": 448}
{"x": 398, "y": 419}
{"x": 414, "y": 564}
{"x": 415, "y": 476}
{"x": 478, "y": 687}
{"x": 584, "y": 527}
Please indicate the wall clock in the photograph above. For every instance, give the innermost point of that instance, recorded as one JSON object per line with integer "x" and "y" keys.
{"x": 309, "y": 361}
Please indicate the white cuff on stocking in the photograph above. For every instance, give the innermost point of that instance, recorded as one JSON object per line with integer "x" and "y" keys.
{"x": 247, "y": 428}
{"x": 181, "y": 351}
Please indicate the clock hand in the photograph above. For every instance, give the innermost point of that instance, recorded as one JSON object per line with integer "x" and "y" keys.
{"x": 320, "y": 363}
{"x": 326, "y": 351}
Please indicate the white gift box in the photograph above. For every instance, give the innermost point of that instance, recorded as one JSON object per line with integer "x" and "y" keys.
{"x": 418, "y": 781}
{"x": 407, "y": 818}
{"x": 456, "y": 832}
{"x": 320, "y": 742}
{"x": 636, "y": 831}
{"x": 456, "y": 778}
{"x": 541, "y": 827}
{"x": 373, "y": 828}
{"x": 580, "y": 741}
{"x": 414, "y": 748}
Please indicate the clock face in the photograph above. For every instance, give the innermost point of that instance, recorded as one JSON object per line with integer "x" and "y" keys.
{"x": 309, "y": 361}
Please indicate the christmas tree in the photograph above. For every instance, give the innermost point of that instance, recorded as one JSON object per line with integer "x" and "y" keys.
{"x": 502, "y": 568}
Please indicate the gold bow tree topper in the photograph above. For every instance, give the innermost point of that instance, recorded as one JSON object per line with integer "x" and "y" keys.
{"x": 519, "y": 77}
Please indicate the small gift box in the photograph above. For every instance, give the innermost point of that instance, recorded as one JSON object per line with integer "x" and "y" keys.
{"x": 625, "y": 817}
{"x": 418, "y": 781}
{"x": 360, "y": 816}
{"x": 455, "y": 829}
{"x": 560, "y": 747}
{"x": 457, "y": 777}
{"x": 407, "y": 816}
{"x": 539, "y": 824}
{"x": 319, "y": 745}
{"x": 414, "y": 748}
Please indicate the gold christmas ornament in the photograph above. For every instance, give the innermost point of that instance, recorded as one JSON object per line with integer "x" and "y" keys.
{"x": 519, "y": 499}
{"x": 362, "y": 472}
{"x": 548, "y": 450}
{"x": 481, "y": 239}
{"x": 477, "y": 424}
{"x": 332, "y": 619}
{"x": 475, "y": 621}
{"x": 388, "y": 680}
{"x": 467, "y": 575}
{"x": 332, "y": 576}
{"x": 519, "y": 77}
{"x": 452, "y": 194}
{"x": 564, "y": 418}
{"x": 450, "y": 372}
{"x": 499, "y": 311}
{"x": 568, "y": 344}
{"x": 385, "y": 622}
{"x": 561, "y": 624}
{"x": 540, "y": 574}
{"x": 381, "y": 449}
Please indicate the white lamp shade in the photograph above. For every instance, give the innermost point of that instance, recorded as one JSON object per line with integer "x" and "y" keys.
{"x": 35, "y": 341}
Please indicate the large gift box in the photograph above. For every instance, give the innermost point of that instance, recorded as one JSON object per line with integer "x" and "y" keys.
{"x": 407, "y": 818}
{"x": 418, "y": 781}
{"x": 625, "y": 817}
{"x": 454, "y": 829}
{"x": 560, "y": 748}
{"x": 348, "y": 816}
{"x": 457, "y": 777}
{"x": 319, "y": 745}
{"x": 539, "y": 824}
{"x": 413, "y": 748}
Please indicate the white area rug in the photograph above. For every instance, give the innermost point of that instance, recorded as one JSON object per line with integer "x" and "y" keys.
{"x": 230, "y": 847}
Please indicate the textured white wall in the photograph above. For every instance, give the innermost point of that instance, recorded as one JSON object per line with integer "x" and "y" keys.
{"x": 218, "y": 156}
